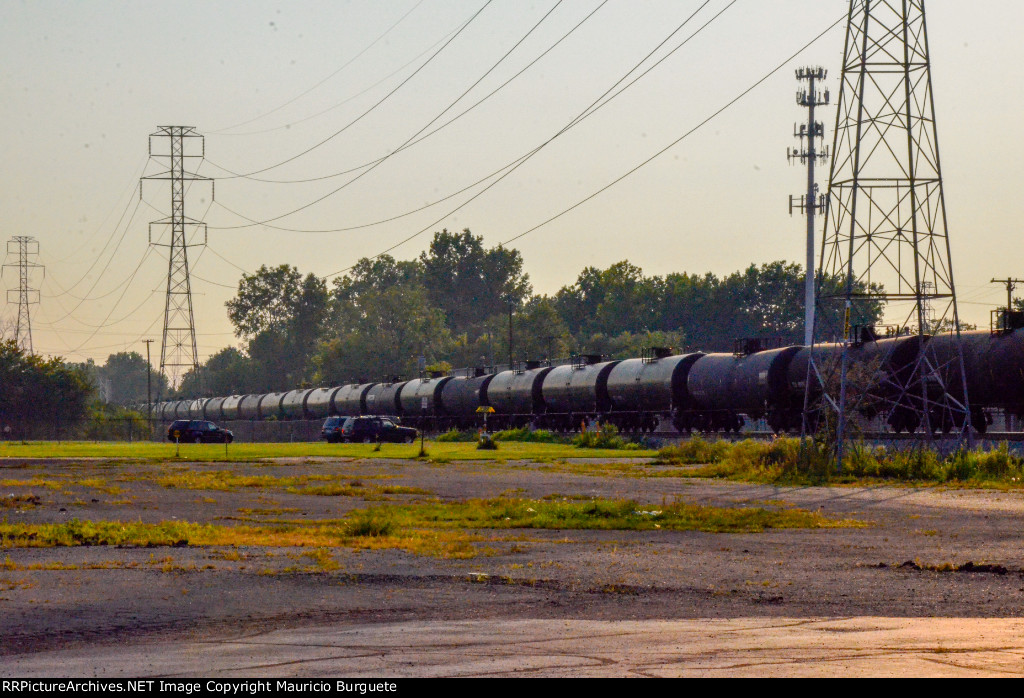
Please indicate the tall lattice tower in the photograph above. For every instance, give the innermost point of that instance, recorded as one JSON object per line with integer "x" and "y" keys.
{"x": 27, "y": 250}
{"x": 885, "y": 243}
{"x": 178, "y": 352}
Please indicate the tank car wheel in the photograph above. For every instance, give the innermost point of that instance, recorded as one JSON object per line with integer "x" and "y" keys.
{"x": 197, "y": 440}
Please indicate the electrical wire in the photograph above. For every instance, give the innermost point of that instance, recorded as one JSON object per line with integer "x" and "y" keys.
{"x": 510, "y": 167}
{"x": 682, "y": 137}
{"x": 377, "y": 104}
{"x": 131, "y": 189}
{"x": 119, "y": 287}
{"x": 113, "y": 232}
{"x": 404, "y": 145}
{"x": 222, "y": 258}
{"x": 601, "y": 101}
{"x": 414, "y": 140}
{"x": 314, "y": 87}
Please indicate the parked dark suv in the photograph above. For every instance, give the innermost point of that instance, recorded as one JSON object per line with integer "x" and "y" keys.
{"x": 331, "y": 430}
{"x": 198, "y": 431}
{"x": 372, "y": 429}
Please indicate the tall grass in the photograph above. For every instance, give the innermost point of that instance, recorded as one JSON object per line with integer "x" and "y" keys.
{"x": 789, "y": 460}
{"x": 606, "y": 437}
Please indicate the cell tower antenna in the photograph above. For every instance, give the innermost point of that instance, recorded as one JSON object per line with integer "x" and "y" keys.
{"x": 886, "y": 238}
{"x": 178, "y": 352}
{"x": 811, "y": 150}
{"x": 27, "y": 250}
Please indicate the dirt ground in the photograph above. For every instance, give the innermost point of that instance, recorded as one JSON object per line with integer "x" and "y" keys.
{"x": 133, "y": 596}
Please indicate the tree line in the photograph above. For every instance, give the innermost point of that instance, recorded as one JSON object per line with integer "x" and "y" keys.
{"x": 40, "y": 398}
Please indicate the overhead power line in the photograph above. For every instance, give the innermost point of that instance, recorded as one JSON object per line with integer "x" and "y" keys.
{"x": 681, "y": 138}
{"x": 375, "y": 105}
{"x": 319, "y": 84}
{"x": 601, "y": 101}
{"x": 604, "y": 99}
{"x": 413, "y": 137}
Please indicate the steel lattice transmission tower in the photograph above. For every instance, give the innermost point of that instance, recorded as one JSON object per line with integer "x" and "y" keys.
{"x": 885, "y": 237}
{"x": 178, "y": 352}
{"x": 27, "y": 249}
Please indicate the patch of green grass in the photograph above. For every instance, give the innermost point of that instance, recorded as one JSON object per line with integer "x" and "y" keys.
{"x": 527, "y": 435}
{"x": 313, "y": 485}
{"x": 603, "y": 514}
{"x": 606, "y": 438}
{"x": 695, "y": 451}
{"x": 246, "y": 452}
{"x": 786, "y": 461}
{"x": 302, "y": 534}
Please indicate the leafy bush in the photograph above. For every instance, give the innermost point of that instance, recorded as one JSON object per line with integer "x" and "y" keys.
{"x": 790, "y": 460}
{"x": 606, "y": 437}
{"x": 696, "y": 451}
{"x": 456, "y": 436}
{"x": 527, "y": 435}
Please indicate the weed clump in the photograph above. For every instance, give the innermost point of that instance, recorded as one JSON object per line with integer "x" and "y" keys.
{"x": 455, "y": 436}
{"x": 696, "y": 451}
{"x": 370, "y": 524}
{"x": 527, "y": 435}
{"x": 606, "y": 437}
{"x": 788, "y": 460}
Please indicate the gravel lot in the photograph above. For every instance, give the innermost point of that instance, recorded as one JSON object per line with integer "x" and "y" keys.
{"x": 196, "y": 594}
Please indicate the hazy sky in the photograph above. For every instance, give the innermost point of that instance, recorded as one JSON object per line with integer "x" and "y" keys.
{"x": 85, "y": 83}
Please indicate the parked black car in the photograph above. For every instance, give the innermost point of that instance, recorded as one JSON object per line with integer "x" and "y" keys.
{"x": 198, "y": 431}
{"x": 331, "y": 430}
{"x": 372, "y": 429}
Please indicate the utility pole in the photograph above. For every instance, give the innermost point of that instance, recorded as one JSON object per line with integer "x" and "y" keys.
{"x": 886, "y": 235}
{"x": 1010, "y": 284}
{"x": 149, "y": 389}
{"x": 811, "y": 150}
{"x": 510, "y": 366}
{"x": 178, "y": 352}
{"x": 27, "y": 249}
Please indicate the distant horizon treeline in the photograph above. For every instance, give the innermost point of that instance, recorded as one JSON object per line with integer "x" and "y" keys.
{"x": 450, "y": 308}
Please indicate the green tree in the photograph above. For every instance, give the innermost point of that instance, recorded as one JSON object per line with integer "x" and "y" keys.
{"x": 383, "y": 334}
{"x": 470, "y": 283}
{"x": 40, "y": 397}
{"x": 122, "y": 379}
{"x": 228, "y": 372}
{"x": 282, "y": 315}
{"x": 617, "y": 299}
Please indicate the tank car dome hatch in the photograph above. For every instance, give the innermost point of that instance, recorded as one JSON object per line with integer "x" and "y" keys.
{"x": 213, "y": 410}
{"x": 462, "y": 396}
{"x": 319, "y": 402}
{"x": 580, "y": 388}
{"x": 293, "y": 404}
{"x": 424, "y": 395}
{"x": 248, "y": 406}
{"x": 352, "y": 400}
{"x": 229, "y": 409}
{"x": 384, "y": 399}
{"x": 269, "y": 406}
{"x": 653, "y": 384}
{"x": 518, "y": 393}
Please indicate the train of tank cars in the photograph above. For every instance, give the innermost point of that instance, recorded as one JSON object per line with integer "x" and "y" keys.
{"x": 696, "y": 391}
